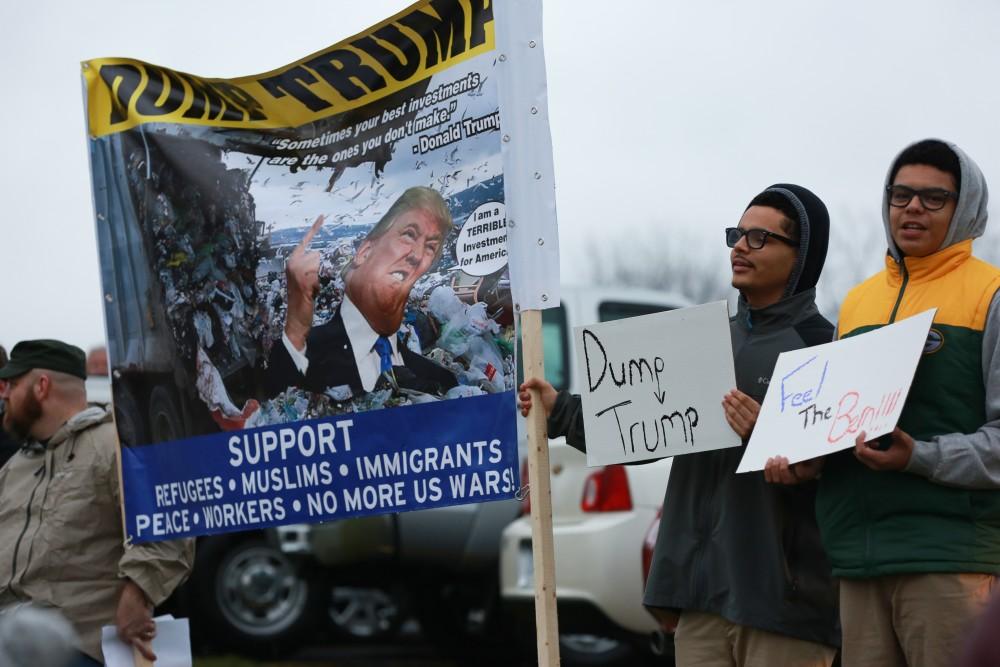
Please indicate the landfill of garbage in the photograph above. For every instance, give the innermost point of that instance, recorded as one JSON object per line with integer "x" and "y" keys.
{"x": 203, "y": 245}
{"x": 205, "y": 248}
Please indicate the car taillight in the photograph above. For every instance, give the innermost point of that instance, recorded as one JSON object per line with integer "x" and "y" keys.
{"x": 606, "y": 490}
{"x": 648, "y": 544}
{"x": 526, "y": 500}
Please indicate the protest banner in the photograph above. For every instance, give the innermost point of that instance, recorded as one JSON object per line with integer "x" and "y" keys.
{"x": 534, "y": 265}
{"x": 820, "y": 398}
{"x": 655, "y": 384}
{"x": 308, "y": 302}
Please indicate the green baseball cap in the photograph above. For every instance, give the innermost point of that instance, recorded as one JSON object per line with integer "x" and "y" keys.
{"x": 52, "y": 355}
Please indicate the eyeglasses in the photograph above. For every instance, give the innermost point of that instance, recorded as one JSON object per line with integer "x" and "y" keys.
{"x": 933, "y": 199}
{"x": 756, "y": 238}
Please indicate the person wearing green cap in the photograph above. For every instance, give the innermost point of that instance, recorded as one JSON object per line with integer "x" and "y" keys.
{"x": 61, "y": 542}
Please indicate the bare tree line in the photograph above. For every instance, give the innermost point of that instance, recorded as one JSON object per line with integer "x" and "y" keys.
{"x": 685, "y": 261}
{"x": 677, "y": 261}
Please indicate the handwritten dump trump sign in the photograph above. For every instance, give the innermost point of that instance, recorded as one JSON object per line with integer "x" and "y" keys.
{"x": 654, "y": 384}
{"x": 820, "y": 398}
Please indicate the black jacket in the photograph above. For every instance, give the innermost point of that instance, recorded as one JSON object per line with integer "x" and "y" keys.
{"x": 8, "y": 446}
{"x": 730, "y": 544}
{"x": 752, "y": 550}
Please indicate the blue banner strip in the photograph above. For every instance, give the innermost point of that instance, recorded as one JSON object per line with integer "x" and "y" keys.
{"x": 392, "y": 460}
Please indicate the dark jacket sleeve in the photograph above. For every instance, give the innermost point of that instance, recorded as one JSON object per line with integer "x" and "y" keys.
{"x": 816, "y": 330}
{"x": 281, "y": 371}
{"x": 331, "y": 362}
{"x": 567, "y": 420}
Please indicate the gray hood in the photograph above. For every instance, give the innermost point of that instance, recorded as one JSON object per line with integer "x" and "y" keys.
{"x": 969, "y": 221}
{"x": 81, "y": 421}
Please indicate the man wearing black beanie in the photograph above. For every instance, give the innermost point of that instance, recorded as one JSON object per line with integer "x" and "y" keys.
{"x": 738, "y": 564}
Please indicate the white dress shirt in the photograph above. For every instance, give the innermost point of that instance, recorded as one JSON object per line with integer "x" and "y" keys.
{"x": 362, "y": 338}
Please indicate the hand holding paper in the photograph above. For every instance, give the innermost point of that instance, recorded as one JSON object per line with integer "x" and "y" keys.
{"x": 134, "y": 619}
{"x": 172, "y": 645}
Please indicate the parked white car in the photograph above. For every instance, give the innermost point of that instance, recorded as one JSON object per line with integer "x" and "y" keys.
{"x": 599, "y": 515}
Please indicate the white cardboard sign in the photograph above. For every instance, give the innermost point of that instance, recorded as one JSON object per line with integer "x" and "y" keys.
{"x": 820, "y": 398}
{"x": 653, "y": 385}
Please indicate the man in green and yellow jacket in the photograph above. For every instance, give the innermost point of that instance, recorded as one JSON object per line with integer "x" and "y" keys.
{"x": 911, "y": 523}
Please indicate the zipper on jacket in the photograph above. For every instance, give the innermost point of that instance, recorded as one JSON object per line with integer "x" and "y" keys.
{"x": 902, "y": 288}
{"x": 41, "y": 474}
{"x": 892, "y": 318}
{"x": 49, "y": 458}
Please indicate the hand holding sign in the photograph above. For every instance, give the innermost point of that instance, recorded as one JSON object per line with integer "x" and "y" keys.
{"x": 778, "y": 470}
{"x": 892, "y": 456}
{"x": 741, "y": 412}
{"x": 652, "y": 385}
{"x": 546, "y": 392}
{"x": 302, "y": 274}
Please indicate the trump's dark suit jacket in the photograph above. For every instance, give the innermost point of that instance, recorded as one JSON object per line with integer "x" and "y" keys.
{"x": 331, "y": 363}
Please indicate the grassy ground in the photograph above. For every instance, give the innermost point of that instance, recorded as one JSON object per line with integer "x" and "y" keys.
{"x": 370, "y": 657}
{"x": 231, "y": 661}
{"x": 224, "y": 662}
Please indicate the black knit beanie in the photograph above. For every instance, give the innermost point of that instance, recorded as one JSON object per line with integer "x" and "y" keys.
{"x": 814, "y": 235}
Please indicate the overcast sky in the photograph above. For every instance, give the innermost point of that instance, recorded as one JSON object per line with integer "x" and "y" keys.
{"x": 667, "y": 117}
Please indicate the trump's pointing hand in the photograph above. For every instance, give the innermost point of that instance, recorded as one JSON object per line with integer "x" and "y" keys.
{"x": 302, "y": 275}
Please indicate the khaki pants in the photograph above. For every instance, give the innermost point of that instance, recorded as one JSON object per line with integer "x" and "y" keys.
{"x": 708, "y": 640}
{"x": 919, "y": 620}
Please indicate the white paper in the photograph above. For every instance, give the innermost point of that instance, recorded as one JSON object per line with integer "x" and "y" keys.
{"x": 820, "y": 398}
{"x": 172, "y": 644}
{"x": 653, "y": 385}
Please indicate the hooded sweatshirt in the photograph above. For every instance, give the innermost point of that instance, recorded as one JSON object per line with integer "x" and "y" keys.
{"x": 942, "y": 513}
{"x": 730, "y": 544}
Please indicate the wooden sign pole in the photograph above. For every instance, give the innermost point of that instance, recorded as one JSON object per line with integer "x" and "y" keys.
{"x": 543, "y": 554}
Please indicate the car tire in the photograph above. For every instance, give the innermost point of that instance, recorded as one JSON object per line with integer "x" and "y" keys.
{"x": 128, "y": 421}
{"x": 251, "y": 598}
{"x": 165, "y": 422}
{"x": 590, "y": 650}
{"x": 462, "y": 618}
{"x": 584, "y": 650}
{"x": 363, "y": 613}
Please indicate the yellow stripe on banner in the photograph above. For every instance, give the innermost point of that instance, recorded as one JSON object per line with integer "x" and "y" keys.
{"x": 424, "y": 39}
